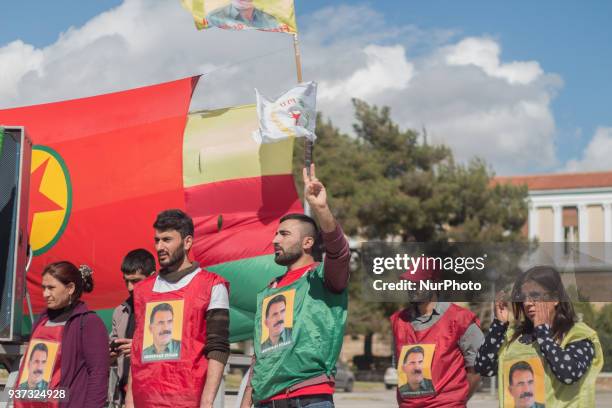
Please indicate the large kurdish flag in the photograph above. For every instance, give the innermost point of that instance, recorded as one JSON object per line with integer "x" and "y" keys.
{"x": 236, "y": 190}
{"x": 103, "y": 167}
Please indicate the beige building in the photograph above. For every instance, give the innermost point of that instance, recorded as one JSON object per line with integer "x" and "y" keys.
{"x": 573, "y": 211}
{"x": 568, "y": 207}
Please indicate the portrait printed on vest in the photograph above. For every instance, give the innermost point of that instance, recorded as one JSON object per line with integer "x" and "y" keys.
{"x": 414, "y": 370}
{"x": 524, "y": 383}
{"x": 37, "y": 366}
{"x": 277, "y": 321}
{"x": 163, "y": 329}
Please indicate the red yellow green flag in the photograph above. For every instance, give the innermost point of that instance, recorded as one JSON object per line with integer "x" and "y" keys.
{"x": 104, "y": 166}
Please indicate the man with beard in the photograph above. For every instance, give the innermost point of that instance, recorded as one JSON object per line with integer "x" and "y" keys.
{"x": 241, "y": 12}
{"x": 275, "y": 322}
{"x": 36, "y": 369}
{"x": 200, "y": 302}
{"x": 136, "y": 266}
{"x": 301, "y": 372}
{"x": 455, "y": 335}
{"x": 413, "y": 368}
{"x": 521, "y": 385}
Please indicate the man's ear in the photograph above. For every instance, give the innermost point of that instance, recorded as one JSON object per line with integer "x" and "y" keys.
{"x": 307, "y": 243}
{"x": 187, "y": 243}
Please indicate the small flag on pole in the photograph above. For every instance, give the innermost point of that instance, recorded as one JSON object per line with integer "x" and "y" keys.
{"x": 291, "y": 115}
{"x": 265, "y": 15}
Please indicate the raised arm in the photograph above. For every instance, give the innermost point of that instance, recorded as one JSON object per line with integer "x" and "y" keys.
{"x": 486, "y": 359}
{"x": 337, "y": 251}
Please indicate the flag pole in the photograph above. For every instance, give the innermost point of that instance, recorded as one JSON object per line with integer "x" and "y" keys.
{"x": 298, "y": 57}
{"x": 307, "y": 142}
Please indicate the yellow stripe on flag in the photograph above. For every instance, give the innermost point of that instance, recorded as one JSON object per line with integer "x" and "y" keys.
{"x": 218, "y": 145}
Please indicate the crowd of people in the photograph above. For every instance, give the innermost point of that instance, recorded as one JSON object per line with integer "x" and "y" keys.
{"x": 169, "y": 341}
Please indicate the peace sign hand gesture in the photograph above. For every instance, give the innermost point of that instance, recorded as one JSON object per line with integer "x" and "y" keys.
{"x": 314, "y": 190}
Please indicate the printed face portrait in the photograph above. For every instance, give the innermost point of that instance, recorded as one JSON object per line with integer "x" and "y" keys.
{"x": 414, "y": 370}
{"x": 160, "y": 325}
{"x": 523, "y": 383}
{"x": 37, "y": 366}
{"x": 413, "y": 366}
{"x": 522, "y": 386}
{"x": 277, "y": 320}
{"x": 163, "y": 331}
{"x": 37, "y": 363}
{"x": 275, "y": 317}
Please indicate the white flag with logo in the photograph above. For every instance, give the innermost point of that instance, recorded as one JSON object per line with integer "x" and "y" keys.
{"x": 293, "y": 114}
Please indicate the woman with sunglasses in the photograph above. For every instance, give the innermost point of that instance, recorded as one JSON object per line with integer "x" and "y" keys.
{"x": 66, "y": 364}
{"x": 547, "y": 357}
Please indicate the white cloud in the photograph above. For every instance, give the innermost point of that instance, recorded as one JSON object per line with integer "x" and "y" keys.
{"x": 488, "y": 108}
{"x": 140, "y": 43}
{"x": 596, "y": 155}
{"x": 386, "y": 69}
{"x": 484, "y": 53}
{"x": 17, "y": 59}
{"x": 459, "y": 88}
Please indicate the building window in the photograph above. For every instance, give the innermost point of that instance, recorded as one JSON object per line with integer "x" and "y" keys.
{"x": 570, "y": 228}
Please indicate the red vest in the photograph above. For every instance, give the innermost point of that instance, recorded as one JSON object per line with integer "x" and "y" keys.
{"x": 51, "y": 336}
{"x": 448, "y": 372}
{"x": 175, "y": 380}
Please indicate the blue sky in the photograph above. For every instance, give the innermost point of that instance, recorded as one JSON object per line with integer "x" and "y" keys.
{"x": 567, "y": 39}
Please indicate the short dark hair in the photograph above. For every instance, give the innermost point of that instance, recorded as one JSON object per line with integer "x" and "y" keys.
{"x": 138, "y": 260}
{"x": 162, "y": 307}
{"x": 311, "y": 230}
{"x": 413, "y": 350}
{"x": 275, "y": 299}
{"x": 39, "y": 347}
{"x": 520, "y": 366}
{"x": 174, "y": 219}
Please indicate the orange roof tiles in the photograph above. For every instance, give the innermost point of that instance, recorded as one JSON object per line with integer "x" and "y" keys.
{"x": 560, "y": 181}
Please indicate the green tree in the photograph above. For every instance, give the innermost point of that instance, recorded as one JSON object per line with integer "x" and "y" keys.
{"x": 385, "y": 183}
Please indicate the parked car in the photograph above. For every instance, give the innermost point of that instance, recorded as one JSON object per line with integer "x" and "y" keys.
{"x": 390, "y": 378}
{"x": 345, "y": 379}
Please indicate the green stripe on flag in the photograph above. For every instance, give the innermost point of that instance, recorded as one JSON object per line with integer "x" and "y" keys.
{"x": 246, "y": 277}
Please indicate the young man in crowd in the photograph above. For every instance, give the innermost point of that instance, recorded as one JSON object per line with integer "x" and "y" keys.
{"x": 298, "y": 371}
{"x": 188, "y": 375}
{"x": 137, "y": 265}
{"x": 450, "y": 334}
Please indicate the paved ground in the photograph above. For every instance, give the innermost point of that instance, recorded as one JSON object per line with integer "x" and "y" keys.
{"x": 376, "y": 399}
